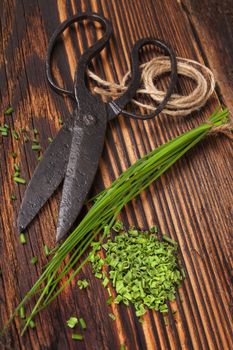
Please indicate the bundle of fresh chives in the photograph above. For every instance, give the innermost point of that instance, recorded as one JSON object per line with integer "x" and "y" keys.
{"x": 103, "y": 214}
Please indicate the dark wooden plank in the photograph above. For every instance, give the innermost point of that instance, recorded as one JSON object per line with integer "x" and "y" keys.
{"x": 193, "y": 201}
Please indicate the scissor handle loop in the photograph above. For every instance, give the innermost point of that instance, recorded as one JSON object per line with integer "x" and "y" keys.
{"x": 120, "y": 102}
{"x": 89, "y": 53}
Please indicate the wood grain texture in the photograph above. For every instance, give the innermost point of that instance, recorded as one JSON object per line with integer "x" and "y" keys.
{"x": 192, "y": 202}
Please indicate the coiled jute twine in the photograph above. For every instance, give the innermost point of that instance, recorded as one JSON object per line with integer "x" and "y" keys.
{"x": 178, "y": 105}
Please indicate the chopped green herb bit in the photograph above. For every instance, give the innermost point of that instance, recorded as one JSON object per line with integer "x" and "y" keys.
{"x": 16, "y": 167}
{"x": 35, "y": 131}
{"x": 60, "y": 120}
{"x": 26, "y": 138}
{"x": 16, "y": 174}
{"x": 46, "y": 250}
{"x": 112, "y": 316}
{"x": 23, "y": 130}
{"x": 83, "y": 284}
{"x": 118, "y": 226}
{"x": 50, "y": 139}
{"x": 142, "y": 269}
{"x": 82, "y": 323}
{"x": 34, "y": 260}
{"x": 76, "y": 336}
{"x": 13, "y": 197}
{"x": 153, "y": 229}
{"x": 15, "y": 134}
{"x": 110, "y": 300}
{"x": 3, "y": 129}
{"x": 9, "y": 111}
{"x": 22, "y": 238}
{"x": 14, "y": 155}
{"x": 32, "y": 324}
{"x": 36, "y": 147}
{"x": 19, "y": 180}
{"x": 105, "y": 282}
{"x": 72, "y": 322}
{"x": 22, "y": 312}
{"x": 4, "y": 133}
{"x": 39, "y": 158}
{"x": 122, "y": 347}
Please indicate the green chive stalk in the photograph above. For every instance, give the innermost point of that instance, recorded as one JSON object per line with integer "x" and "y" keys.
{"x": 103, "y": 214}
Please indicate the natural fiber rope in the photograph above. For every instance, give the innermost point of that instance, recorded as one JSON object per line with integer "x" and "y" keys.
{"x": 177, "y": 105}
{"x": 226, "y": 129}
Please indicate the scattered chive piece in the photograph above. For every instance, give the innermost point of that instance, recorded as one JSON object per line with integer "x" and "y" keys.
{"x": 14, "y": 155}
{"x": 19, "y": 180}
{"x": 109, "y": 300}
{"x": 34, "y": 260}
{"x": 39, "y": 157}
{"x": 3, "y": 129}
{"x": 82, "y": 323}
{"x": 23, "y": 130}
{"x": 16, "y": 167}
{"x": 4, "y": 133}
{"x": 60, "y": 120}
{"x": 35, "y": 131}
{"x": 105, "y": 282}
{"x": 22, "y": 238}
{"x": 46, "y": 250}
{"x": 153, "y": 229}
{"x": 76, "y": 336}
{"x": 72, "y": 322}
{"x": 32, "y": 324}
{"x": 118, "y": 226}
{"x": 50, "y": 139}
{"x": 122, "y": 347}
{"x": 36, "y": 147}
{"x": 9, "y": 110}
{"x": 83, "y": 284}
{"x": 22, "y": 312}
{"x": 26, "y": 138}
{"x": 15, "y": 134}
{"x": 112, "y": 316}
{"x": 16, "y": 174}
{"x": 13, "y": 197}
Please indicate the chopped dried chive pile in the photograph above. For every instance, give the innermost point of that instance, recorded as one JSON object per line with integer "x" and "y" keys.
{"x": 143, "y": 270}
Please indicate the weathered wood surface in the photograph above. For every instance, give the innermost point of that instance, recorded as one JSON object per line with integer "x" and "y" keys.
{"x": 192, "y": 201}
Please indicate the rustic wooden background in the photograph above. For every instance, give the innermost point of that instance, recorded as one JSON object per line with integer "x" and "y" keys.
{"x": 192, "y": 201}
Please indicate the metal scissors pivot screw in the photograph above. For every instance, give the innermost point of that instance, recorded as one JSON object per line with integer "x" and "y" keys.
{"x": 74, "y": 153}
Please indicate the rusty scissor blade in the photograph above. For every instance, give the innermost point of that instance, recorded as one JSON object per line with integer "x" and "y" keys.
{"x": 47, "y": 176}
{"x": 85, "y": 151}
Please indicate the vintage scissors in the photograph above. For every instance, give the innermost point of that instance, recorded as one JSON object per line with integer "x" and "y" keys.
{"x": 75, "y": 152}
